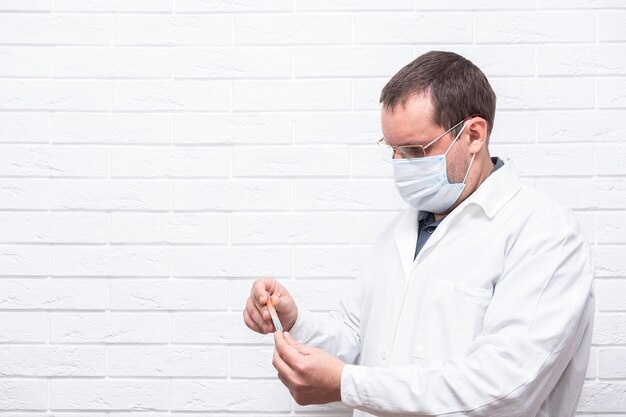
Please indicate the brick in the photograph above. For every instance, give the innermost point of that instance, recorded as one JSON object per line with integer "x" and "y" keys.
{"x": 19, "y": 127}
{"x": 367, "y": 227}
{"x": 290, "y": 29}
{"x": 240, "y": 195}
{"x": 609, "y": 329}
{"x": 109, "y": 394}
{"x": 340, "y": 195}
{"x": 52, "y": 361}
{"x": 190, "y": 128}
{"x": 337, "y": 128}
{"x": 231, "y": 261}
{"x": 585, "y": 193}
{"x": 371, "y": 161}
{"x": 611, "y": 294}
{"x": 25, "y": 62}
{"x": 535, "y": 27}
{"x": 259, "y": 396}
{"x": 474, "y": 5}
{"x": 23, "y": 394}
{"x": 109, "y": 328}
{"x": 248, "y": 362}
{"x": 548, "y": 160}
{"x": 611, "y": 25}
{"x": 290, "y": 228}
{"x": 111, "y": 128}
{"x": 513, "y": 127}
{"x": 144, "y": 6}
{"x": 609, "y": 160}
{"x": 581, "y": 60}
{"x": 54, "y": 161}
{"x": 29, "y": 194}
{"x": 329, "y": 261}
{"x": 291, "y": 95}
{"x": 110, "y": 260}
{"x": 367, "y": 94}
{"x": 611, "y": 92}
{"x": 165, "y": 30}
{"x": 30, "y": 6}
{"x": 553, "y": 93}
{"x": 214, "y": 328}
{"x": 170, "y": 361}
{"x": 54, "y": 29}
{"x": 610, "y": 261}
{"x": 579, "y": 126}
{"x": 44, "y": 227}
{"x": 54, "y": 95}
{"x": 172, "y": 294}
{"x": 233, "y": 63}
{"x": 110, "y": 195}
{"x": 356, "y": 5}
{"x": 406, "y": 28}
{"x": 582, "y": 4}
{"x": 23, "y": 327}
{"x": 203, "y": 6}
{"x": 52, "y": 294}
{"x": 602, "y": 397}
{"x": 169, "y": 228}
{"x": 160, "y": 162}
{"x": 346, "y": 61}
{"x": 171, "y": 95}
{"x": 612, "y": 363}
{"x": 24, "y": 260}
{"x": 112, "y": 63}
{"x": 295, "y": 161}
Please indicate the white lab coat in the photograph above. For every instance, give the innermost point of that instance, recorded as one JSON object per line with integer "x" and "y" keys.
{"x": 493, "y": 318}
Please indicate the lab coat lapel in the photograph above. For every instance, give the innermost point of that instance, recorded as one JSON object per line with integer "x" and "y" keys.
{"x": 406, "y": 239}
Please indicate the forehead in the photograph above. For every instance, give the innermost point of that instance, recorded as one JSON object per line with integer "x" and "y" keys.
{"x": 408, "y": 122}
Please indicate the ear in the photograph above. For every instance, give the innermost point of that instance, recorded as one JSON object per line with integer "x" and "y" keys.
{"x": 477, "y": 130}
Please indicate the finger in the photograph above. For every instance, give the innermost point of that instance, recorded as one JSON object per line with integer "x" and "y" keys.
{"x": 262, "y": 289}
{"x": 301, "y": 348}
{"x": 281, "y": 366}
{"x": 287, "y": 352}
{"x": 257, "y": 317}
{"x": 257, "y": 324}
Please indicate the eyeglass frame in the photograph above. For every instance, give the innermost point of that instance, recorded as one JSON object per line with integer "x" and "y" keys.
{"x": 381, "y": 142}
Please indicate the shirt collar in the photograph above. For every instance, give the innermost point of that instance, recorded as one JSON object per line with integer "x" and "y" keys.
{"x": 495, "y": 191}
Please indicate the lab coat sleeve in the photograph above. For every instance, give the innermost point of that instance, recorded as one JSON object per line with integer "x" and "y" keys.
{"x": 540, "y": 309}
{"x": 337, "y": 333}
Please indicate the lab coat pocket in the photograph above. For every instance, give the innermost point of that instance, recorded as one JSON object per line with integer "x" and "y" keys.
{"x": 450, "y": 318}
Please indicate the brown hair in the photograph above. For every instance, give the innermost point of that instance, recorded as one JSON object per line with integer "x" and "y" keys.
{"x": 456, "y": 86}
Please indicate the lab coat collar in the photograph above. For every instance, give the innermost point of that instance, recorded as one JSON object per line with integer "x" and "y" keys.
{"x": 490, "y": 196}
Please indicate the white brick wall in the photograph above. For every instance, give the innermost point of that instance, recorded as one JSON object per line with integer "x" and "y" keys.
{"x": 158, "y": 155}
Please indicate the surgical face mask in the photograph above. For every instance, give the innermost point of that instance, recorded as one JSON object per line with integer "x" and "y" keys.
{"x": 423, "y": 182}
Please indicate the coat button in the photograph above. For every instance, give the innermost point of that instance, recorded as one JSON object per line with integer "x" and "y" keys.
{"x": 385, "y": 354}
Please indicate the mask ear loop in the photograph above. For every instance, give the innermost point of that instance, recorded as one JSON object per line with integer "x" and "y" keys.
{"x": 456, "y": 137}
{"x": 469, "y": 168}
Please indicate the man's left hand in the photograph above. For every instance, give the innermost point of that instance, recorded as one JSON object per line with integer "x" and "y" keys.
{"x": 311, "y": 375}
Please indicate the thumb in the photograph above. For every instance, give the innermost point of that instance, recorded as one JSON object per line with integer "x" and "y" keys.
{"x": 301, "y": 348}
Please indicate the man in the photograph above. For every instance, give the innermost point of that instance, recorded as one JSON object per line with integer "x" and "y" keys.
{"x": 476, "y": 301}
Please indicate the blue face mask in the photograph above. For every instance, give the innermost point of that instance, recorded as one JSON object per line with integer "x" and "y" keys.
{"x": 423, "y": 182}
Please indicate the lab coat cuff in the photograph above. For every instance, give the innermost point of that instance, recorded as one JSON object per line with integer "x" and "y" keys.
{"x": 350, "y": 377}
{"x": 301, "y": 328}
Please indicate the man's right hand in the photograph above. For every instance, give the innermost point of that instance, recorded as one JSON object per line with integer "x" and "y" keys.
{"x": 256, "y": 315}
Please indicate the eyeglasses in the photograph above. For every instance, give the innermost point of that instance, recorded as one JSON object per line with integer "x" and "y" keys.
{"x": 412, "y": 151}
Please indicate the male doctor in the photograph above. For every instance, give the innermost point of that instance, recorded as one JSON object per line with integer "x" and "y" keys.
{"x": 476, "y": 301}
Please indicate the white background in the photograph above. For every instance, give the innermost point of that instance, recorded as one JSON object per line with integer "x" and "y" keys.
{"x": 158, "y": 155}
